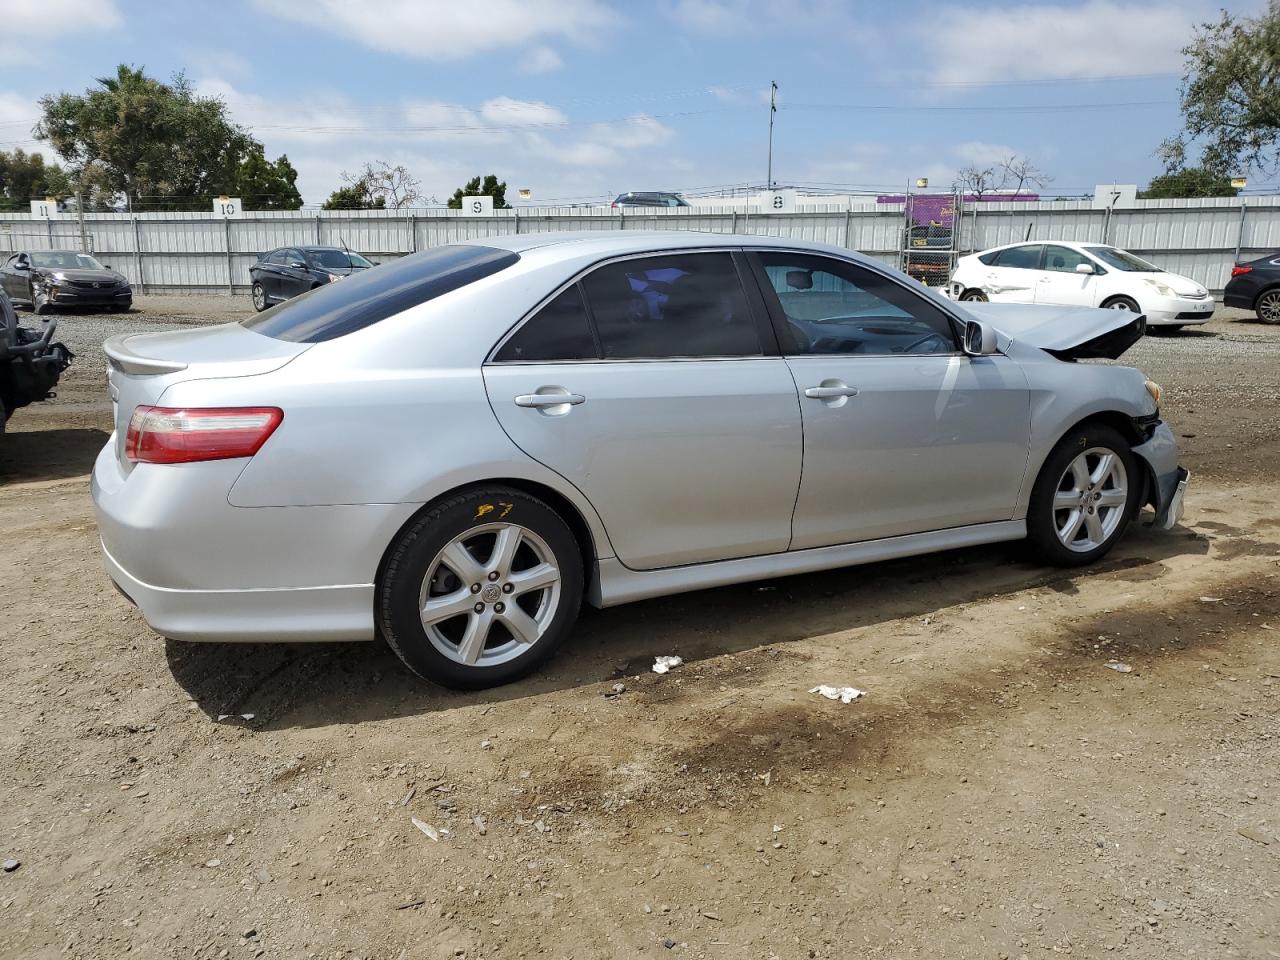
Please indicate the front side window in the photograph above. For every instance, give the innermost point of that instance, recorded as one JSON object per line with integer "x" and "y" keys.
{"x": 1064, "y": 259}
{"x": 559, "y": 331}
{"x": 834, "y": 307}
{"x": 1123, "y": 260}
{"x": 1025, "y": 258}
{"x": 677, "y": 305}
{"x": 337, "y": 258}
{"x": 371, "y": 296}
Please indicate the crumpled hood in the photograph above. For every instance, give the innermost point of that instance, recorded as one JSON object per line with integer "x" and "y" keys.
{"x": 1069, "y": 333}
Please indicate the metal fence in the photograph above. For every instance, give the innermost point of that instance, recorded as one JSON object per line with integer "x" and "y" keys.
{"x": 202, "y": 253}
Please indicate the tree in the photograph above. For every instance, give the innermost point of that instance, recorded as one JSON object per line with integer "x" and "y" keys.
{"x": 264, "y": 185}
{"x": 25, "y": 177}
{"x": 378, "y": 185}
{"x": 1018, "y": 172}
{"x": 475, "y": 187}
{"x": 160, "y": 145}
{"x": 1188, "y": 182}
{"x": 1230, "y": 98}
{"x": 975, "y": 181}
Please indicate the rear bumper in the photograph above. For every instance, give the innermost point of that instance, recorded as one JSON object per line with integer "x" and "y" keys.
{"x": 199, "y": 568}
{"x": 1169, "y": 481}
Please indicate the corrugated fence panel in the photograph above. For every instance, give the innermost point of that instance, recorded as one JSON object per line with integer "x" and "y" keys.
{"x": 198, "y": 251}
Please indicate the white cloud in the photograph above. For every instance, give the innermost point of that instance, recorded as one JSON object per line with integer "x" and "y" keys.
{"x": 521, "y": 113}
{"x": 739, "y": 16}
{"x": 983, "y": 154}
{"x": 18, "y": 114}
{"x": 541, "y": 60}
{"x": 449, "y": 29}
{"x": 49, "y": 18}
{"x": 1093, "y": 38}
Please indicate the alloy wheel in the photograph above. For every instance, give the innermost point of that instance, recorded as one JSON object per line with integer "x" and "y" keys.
{"x": 490, "y": 594}
{"x": 1269, "y": 307}
{"x": 259, "y": 297}
{"x": 1090, "y": 499}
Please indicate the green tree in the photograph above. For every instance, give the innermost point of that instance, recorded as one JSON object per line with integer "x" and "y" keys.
{"x": 1188, "y": 182}
{"x": 264, "y": 185}
{"x": 1230, "y": 97}
{"x": 25, "y": 177}
{"x": 490, "y": 186}
{"x": 354, "y": 196}
{"x": 160, "y": 145}
{"x": 378, "y": 185}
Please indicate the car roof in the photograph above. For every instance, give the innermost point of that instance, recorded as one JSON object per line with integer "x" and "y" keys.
{"x": 605, "y": 243}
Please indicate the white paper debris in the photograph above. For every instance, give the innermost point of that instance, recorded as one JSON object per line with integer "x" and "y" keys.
{"x": 843, "y": 694}
{"x": 1210, "y": 599}
{"x": 426, "y": 828}
{"x": 1118, "y": 667}
{"x": 664, "y": 664}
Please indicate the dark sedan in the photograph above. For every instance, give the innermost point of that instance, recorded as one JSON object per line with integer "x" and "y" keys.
{"x": 44, "y": 279}
{"x": 1256, "y": 286}
{"x": 288, "y": 271}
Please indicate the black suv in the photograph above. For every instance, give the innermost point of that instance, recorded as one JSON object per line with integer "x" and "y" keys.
{"x": 1256, "y": 286}
{"x": 289, "y": 271}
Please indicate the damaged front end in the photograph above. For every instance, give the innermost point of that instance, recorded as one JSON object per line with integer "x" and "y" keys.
{"x": 1068, "y": 333}
{"x": 30, "y": 362}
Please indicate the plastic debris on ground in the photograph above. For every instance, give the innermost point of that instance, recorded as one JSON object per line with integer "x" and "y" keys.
{"x": 1210, "y": 599}
{"x": 664, "y": 664}
{"x": 426, "y": 828}
{"x": 843, "y": 694}
{"x": 1118, "y": 667}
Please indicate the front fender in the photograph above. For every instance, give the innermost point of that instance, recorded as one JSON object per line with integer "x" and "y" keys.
{"x": 1168, "y": 480}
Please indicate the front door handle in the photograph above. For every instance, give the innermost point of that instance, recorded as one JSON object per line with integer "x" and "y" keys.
{"x": 829, "y": 391}
{"x": 556, "y": 399}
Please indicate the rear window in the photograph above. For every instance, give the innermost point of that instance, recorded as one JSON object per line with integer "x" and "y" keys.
{"x": 371, "y": 296}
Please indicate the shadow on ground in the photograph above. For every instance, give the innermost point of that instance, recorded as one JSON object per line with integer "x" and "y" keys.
{"x": 316, "y": 685}
{"x": 30, "y": 455}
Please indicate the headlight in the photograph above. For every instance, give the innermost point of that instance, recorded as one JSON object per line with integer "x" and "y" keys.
{"x": 1153, "y": 388}
{"x": 1162, "y": 288}
{"x": 334, "y": 276}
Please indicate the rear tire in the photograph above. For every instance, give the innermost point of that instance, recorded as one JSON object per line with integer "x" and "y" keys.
{"x": 1123, "y": 303}
{"x": 481, "y": 589}
{"x": 974, "y": 296}
{"x": 1082, "y": 502}
{"x": 1267, "y": 306}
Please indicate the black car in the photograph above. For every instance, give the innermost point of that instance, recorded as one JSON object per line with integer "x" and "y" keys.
{"x": 44, "y": 279}
{"x": 1256, "y": 286}
{"x": 30, "y": 362}
{"x": 651, "y": 199}
{"x": 288, "y": 271}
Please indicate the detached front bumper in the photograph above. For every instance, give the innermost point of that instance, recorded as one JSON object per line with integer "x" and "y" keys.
{"x": 1168, "y": 480}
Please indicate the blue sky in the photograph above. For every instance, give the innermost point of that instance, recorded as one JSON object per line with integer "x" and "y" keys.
{"x": 581, "y": 99}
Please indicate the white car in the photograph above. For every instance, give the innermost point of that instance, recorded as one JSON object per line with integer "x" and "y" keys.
{"x": 1081, "y": 275}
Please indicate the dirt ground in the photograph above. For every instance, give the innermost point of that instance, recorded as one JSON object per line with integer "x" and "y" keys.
{"x": 998, "y": 793}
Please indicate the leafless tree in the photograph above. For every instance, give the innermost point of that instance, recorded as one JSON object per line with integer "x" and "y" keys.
{"x": 975, "y": 181}
{"x": 396, "y": 187}
{"x": 1018, "y": 172}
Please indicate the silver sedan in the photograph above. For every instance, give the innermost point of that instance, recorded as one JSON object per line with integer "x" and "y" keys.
{"x": 457, "y": 449}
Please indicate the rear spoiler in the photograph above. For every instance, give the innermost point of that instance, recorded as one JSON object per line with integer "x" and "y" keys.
{"x": 121, "y": 358}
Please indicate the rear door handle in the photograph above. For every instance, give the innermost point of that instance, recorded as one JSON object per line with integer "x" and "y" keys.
{"x": 549, "y": 399}
{"x": 830, "y": 391}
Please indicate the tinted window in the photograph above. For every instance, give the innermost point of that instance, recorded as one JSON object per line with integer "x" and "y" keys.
{"x": 559, "y": 331}
{"x": 1064, "y": 259}
{"x": 277, "y": 256}
{"x": 336, "y": 258}
{"x": 369, "y": 296}
{"x": 1026, "y": 258}
{"x": 835, "y": 307}
{"x": 989, "y": 258}
{"x": 681, "y": 305}
{"x": 1123, "y": 260}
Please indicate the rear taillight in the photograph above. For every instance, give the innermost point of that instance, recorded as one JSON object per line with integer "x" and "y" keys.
{"x": 188, "y": 434}
{"x": 1240, "y": 270}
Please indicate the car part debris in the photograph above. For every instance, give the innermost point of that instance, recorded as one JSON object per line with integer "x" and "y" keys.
{"x": 664, "y": 664}
{"x": 843, "y": 694}
{"x": 426, "y": 828}
{"x": 1118, "y": 667}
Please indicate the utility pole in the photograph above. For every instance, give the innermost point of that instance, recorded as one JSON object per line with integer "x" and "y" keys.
{"x": 84, "y": 237}
{"x": 773, "y": 108}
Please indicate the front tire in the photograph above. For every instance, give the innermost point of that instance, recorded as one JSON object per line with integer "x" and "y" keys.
{"x": 481, "y": 589}
{"x": 1267, "y": 306}
{"x": 1123, "y": 303}
{"x": 1084, "y": 497}
{"x": 259, "y": 297}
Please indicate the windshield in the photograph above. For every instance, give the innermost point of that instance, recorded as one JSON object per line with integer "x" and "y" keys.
{"x": 64, "y": 260}
{"x": 337, "y": 258}
{"x": 1123, "y": 260}
{"x": 370, "y": 296}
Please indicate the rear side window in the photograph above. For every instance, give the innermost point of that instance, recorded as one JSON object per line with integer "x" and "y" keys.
{"x": 680, "y": 305}
{"x": 1026, "y": 258}
{"x": 559, "y": 331}
{"x": 371, "y": 296}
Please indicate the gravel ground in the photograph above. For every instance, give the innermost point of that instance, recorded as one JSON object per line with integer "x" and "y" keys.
{"x": 999, "y": 793}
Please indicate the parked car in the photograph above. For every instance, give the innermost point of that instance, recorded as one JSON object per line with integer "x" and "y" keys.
{"x": 632, "y": 199}
{"x": 1081, "y": 274}
{"x": 458, "y": 448}
{"x": 1256, "y": 286}
{"x": 283, "y": 273}
{"x": 44, "y": 279}
{"x": 30, "y": 362}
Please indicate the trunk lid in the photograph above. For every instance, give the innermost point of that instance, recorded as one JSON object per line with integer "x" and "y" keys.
{"x": 1069, "y": 333}
{"x": 142, "y": 366}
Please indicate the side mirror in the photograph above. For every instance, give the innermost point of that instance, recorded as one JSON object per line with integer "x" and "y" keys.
{"x": 1084, "y": 268}
{"x": 106, "y": 266}
{"x": 21, "y": 265}
{"x": 979, "y": 339}
{"x": 297, "y": 264}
